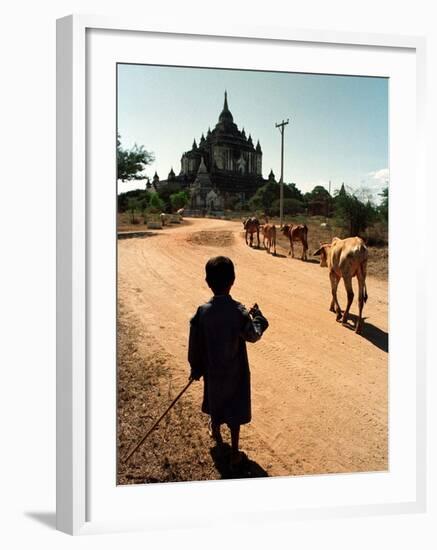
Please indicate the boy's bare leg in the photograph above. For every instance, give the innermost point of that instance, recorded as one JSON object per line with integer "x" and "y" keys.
{"x": 214, "y": 432}
{"x": 236, "y": 456}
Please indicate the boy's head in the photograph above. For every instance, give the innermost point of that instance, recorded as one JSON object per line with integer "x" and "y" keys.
{"x": 220, "y": 274}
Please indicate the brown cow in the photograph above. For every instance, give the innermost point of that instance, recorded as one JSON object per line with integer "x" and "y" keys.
{"x": 346, "y": 258}
{"x": 297, "y": 233}
{"x": 251, "y": 226}
{"x": 269, "y": 234}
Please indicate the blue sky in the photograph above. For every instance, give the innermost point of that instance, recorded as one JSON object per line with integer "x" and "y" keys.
{"x": 338, "y": 127}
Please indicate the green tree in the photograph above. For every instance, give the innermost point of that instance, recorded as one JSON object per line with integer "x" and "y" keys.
{"x": 141, "y": 195}
{"x": 291, "y": 207}
{"x": 318, "y": 193}
{"x": 156, "y": 204}
{"x": 383, "y": 207}
{"x": 165, "y": 193}
{"x": 133, "y": 206}
{"x": 292, "y": 192}
{"x": 264, "y": 197}
{"x": 179, "y": 200}
{"x": 132, "y": 162}
{"x": 319, "y": 201}
{"x": 354, "y": 215}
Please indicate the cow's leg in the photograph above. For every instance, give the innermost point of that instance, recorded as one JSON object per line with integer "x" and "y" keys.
{"x": 305, "y": 248}
{"x": 292, "y": 248}
{"x": 350, "y": 297}
{"x": 257, "y": 235}
{"x": 251, "y": 239}
{"x": 361, "y": 280}
{"x": 246, "y": 237}
{"x": 334, "y": 302}
{"x": 274, "y": 245}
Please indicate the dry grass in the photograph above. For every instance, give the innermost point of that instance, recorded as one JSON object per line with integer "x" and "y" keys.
{"x": 124, "y": 222}
{"x": 179, "y": 448}
{"x": 212, "y": 238}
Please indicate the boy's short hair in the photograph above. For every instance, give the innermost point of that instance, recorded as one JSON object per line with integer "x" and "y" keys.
{"x": 220, "y": 273}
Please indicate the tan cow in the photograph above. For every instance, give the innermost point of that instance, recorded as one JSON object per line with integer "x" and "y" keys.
{"x": 269, "y": 235}
{"x": 346, "y": 258}
{"x": 296, "y": 233}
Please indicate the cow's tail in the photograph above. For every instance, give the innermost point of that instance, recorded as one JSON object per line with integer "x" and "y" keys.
{"x": 363, "y": 274}
{"x": 365, "y": 295}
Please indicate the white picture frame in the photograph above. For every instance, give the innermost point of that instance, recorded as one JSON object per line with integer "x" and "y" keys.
{"x": 74, "y": 463}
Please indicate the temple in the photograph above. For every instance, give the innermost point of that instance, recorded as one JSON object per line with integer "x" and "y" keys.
{"x": 224, "y": 167}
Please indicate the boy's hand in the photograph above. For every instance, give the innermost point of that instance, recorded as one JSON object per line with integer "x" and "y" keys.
{"x": 254, "y": 309}
{"x": 194, "y": 376}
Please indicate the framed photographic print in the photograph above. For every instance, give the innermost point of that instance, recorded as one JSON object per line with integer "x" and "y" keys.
{"x": 233, "y": 326}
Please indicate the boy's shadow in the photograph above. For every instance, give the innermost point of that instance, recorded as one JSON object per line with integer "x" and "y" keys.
{"x": 221, "y": 455}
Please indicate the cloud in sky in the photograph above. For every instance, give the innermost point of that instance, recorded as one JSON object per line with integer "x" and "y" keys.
{"x": 370, "y": 186}
{"x": 381, "y": 176}
{"x": 374, "y": 182}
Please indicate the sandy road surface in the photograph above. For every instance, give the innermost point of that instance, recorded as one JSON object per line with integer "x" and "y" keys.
{"x": 319, "y": 391}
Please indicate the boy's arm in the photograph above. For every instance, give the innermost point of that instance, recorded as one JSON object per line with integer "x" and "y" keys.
{"x": 195, "y": 348}
{"x": 254, "y": 324}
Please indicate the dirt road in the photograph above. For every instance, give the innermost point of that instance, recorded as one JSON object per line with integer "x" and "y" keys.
{"x": 319, "y": 391}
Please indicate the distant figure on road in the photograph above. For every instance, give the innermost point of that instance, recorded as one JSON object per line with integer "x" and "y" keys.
{"x": 163, "y": 217}
{"x": 217, "y": 351}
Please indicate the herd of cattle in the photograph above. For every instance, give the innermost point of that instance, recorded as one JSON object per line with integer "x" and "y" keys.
{"x": 344, "y": 258}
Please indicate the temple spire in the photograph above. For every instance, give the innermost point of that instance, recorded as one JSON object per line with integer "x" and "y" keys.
{"x": 202, "y": 167}
{"x": 226, "y": 115}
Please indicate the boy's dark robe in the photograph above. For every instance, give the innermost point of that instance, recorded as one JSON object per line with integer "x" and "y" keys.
{"x": 217, "y": 351}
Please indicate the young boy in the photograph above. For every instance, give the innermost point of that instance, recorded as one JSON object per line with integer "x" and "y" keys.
{"x": 217, "y": 351}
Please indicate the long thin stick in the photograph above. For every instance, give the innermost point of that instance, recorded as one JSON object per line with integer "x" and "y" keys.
{"x": 172, "y": 404}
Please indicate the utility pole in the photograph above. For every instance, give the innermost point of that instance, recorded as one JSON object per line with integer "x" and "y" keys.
{"x": 281, "y": 126}
{"x": 328, "y": 200}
